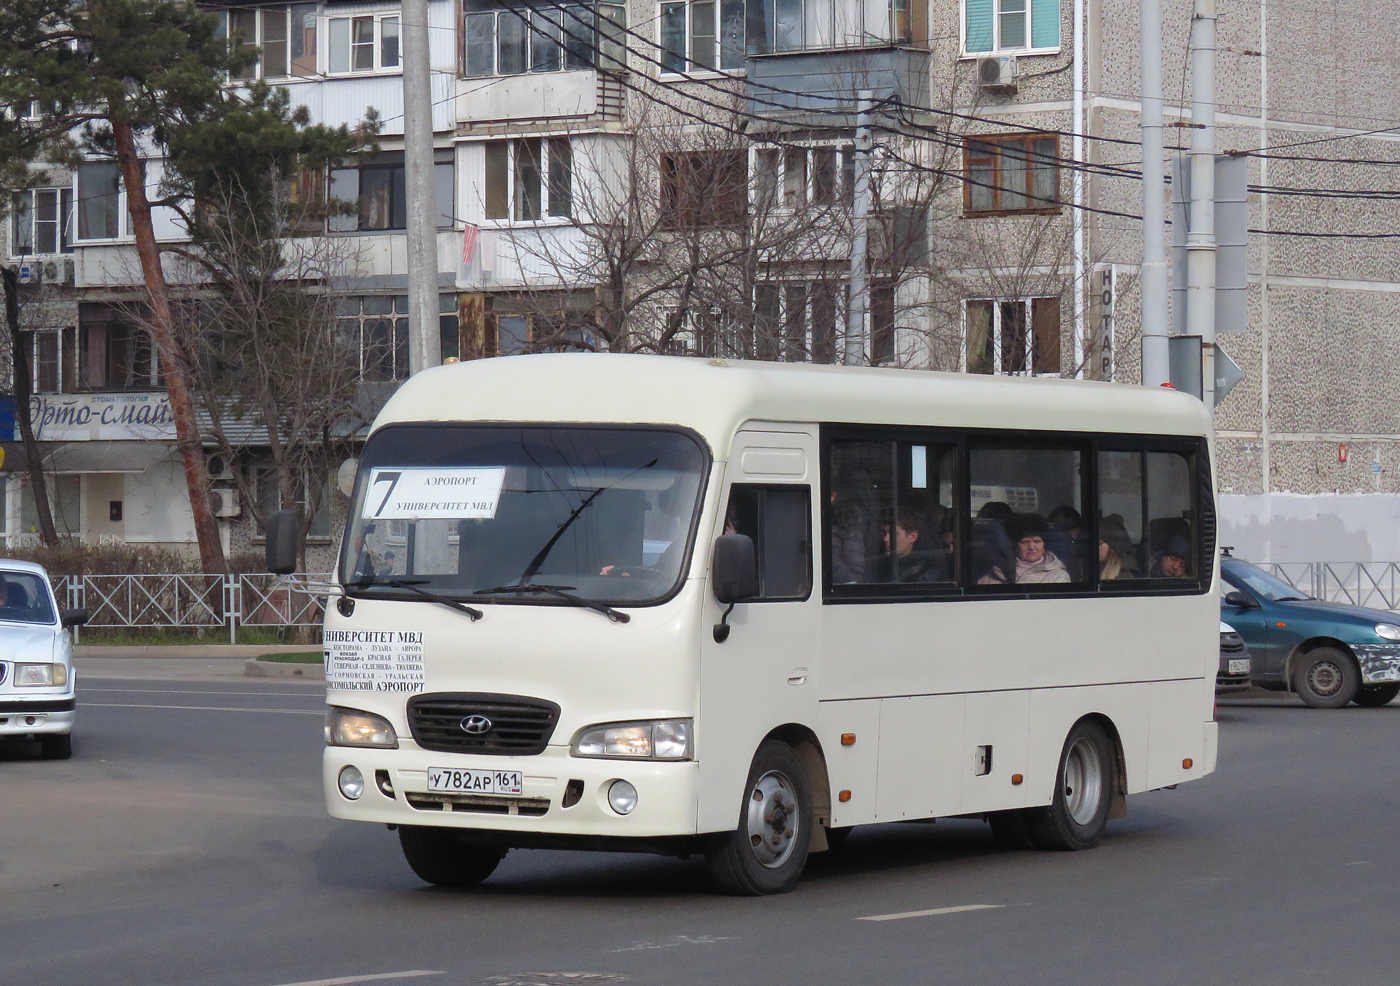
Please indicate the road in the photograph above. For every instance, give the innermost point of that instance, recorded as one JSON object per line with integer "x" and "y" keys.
{"x": 185, "y": 844}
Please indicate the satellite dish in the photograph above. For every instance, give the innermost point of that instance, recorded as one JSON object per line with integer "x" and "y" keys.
{"x": 345, "y": 476}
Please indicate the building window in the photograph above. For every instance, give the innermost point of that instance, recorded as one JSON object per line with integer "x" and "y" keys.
{"x": 270, "y": 500}
{"x": 1014, "y": 337}
{"x": 795, "y": 177}
{"x": 551, "y": 38}
{"x": 53, "y": 360}
{"x": 708, "y": 188}
{"x": 285, "y": 35}
{"x": 376, "y": 328}
{"x": 365, "y": 43}
{"x": 114, "y": 353}
{"x": 1011, "y": 25}
{"x": 529, "y": 179}
{"x": 703, "y": 35}
{"x": 102, "y": 211}
{"x": 42, "y": 222}
{"x": 816, "y": 25}
{"x": 1015, "y": 173}
{"x": 378, "y": 192}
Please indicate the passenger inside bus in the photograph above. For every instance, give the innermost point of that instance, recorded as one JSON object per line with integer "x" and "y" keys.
{"x": 1035, "y": 564}
{"x": 1173, "y": 562}
{"x": 905, "y": 558}
{"x": 1115, "y": 549}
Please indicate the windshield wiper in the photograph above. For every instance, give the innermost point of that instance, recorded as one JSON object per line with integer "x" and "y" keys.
{"x": 412, "y": 585}
{"x": 558, "y": 592}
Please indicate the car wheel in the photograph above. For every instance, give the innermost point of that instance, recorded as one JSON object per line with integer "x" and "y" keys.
{"x": 56, "y": 746}
{"x": 767, "y": 850}
{"x": 1326, "y": 678}
{"x": 1078, "y": 812}
{"x": 444, "y": 858}
{"x": 1374, "y": 696}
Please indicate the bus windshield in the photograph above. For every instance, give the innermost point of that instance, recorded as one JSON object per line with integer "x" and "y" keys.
{"x": 476, "y": 511}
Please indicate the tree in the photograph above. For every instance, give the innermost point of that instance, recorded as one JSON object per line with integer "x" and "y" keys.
{"x": 131, "y": 72}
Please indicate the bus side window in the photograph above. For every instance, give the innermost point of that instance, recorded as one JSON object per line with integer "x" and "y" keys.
{"x": 1147, "y": 522}
{"x": 779, "y": 520}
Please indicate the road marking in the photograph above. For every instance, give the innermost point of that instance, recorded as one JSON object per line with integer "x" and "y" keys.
{"x": 203, "y": 708}
{"x": 930, "y": 913}
{"x": 410, "y": 974}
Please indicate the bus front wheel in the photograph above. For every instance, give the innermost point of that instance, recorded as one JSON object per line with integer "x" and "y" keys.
{"x": 1078, "y": 812}
{"x": 767, "y": 850}
{"x": 443, "y": 858}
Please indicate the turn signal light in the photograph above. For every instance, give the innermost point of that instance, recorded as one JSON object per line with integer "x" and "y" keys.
{"x": 848, "y": 739}
{"x": 844, "y": 796}
{"x": 1016, "y": 779}
{"x": 1186, "y": 764}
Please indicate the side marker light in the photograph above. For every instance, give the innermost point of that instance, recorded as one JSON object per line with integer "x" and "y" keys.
{"x": 848, "y": 739}
{"x": 844, "y": 796}
{"x": 1186, "y": 764}
{"x": 1016, "y": 779}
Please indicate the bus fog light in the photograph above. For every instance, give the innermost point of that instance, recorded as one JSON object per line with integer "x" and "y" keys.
{"x": 352, "y": 782}
{"x": 622, "y": 796}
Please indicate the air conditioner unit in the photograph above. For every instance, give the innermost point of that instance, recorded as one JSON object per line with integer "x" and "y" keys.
{"x": 224, "y": 503}
{"x": 997, "y": 74}
{"x": 58, "y": 271}
{"x": 220, "y": 470}
{"x": 28, "y": 273}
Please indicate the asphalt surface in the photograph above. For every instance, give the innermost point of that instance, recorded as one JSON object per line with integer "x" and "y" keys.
{"x": 186, "y": 843}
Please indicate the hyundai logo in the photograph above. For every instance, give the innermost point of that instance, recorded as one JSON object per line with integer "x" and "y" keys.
{"x": 476, "y": 725}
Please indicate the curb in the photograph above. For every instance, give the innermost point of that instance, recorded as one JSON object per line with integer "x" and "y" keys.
{"x": 271, "y": 669}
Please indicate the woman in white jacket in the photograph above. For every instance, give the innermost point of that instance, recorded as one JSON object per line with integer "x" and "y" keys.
{"x": 1035, "y": 564}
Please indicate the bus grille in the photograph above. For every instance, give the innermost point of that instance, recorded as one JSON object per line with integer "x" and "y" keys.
{"x": 477, "y": 803}
{"x": 519, "y": 726}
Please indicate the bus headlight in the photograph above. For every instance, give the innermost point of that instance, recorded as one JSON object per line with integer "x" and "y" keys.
{"x": 663, "y": 739}
{"x": 349, "y": 727}
{"x": 38, "y": 675}
{"x": 1388, "y": 631}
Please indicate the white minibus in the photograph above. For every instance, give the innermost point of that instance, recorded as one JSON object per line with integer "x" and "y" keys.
{"x": 736, "y": 608}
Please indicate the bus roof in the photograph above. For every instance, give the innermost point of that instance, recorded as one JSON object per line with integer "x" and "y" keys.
{"x": 715, "y": 397}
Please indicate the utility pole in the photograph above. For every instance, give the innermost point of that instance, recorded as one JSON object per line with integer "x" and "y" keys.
{"x": 1156, "y": 356}
{"x": 425, "y": 347}
{"x": 1200, "y": 236}
{"x": 856, "y": 317}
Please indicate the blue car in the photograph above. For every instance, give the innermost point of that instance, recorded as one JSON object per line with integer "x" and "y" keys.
{"x": 1328, "y": 653}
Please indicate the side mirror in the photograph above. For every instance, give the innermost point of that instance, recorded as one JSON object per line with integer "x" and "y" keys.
{"x": 72, "y": 617}
{"x": 735, "y": 568}
{"x": 281, "y": 552}
{"x": 1237, "y": 599}
{"x": 735, "y": 575}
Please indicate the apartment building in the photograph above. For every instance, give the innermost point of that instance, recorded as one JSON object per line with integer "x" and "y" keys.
{"x": 680, "y": 176}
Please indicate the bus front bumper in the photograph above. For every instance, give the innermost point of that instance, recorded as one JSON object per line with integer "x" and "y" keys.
{"x": 560, "y": 795}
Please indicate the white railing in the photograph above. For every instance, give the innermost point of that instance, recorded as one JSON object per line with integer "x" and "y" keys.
{"x": 203, "y": 602}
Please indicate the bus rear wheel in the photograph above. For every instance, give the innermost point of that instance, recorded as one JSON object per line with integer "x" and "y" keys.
{"x": 767, "y": 850}
{"x": 444, "y": 858}
{"x": 1078, "y": 812}
{"x": 1374, "y": 696}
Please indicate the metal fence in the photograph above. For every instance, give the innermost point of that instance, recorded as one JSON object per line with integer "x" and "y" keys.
{"x": 1367, "y": 583}
{"x": 203, "y": 602}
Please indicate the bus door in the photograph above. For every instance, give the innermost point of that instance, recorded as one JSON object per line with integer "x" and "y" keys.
{"x": 763, "y": 674}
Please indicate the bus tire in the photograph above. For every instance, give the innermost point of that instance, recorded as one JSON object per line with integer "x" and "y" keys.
{"x": 1326, "y": 678}
{"x": 1374, "y": 696}
{"x": 766, "y": 851}
{"x": 1011, "y": 828}
{"x": 444, "y": 858}
{"x": 1078, "y": 813}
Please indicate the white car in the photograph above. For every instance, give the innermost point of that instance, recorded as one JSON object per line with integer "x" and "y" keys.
{"x": 36, "y": 660}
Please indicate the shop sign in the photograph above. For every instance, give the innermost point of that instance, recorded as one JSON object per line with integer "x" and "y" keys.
{"x": 109, "y": 417}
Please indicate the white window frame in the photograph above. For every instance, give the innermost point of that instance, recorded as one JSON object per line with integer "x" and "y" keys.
{"x": 261, "y": 14}
{"x": 802, "y": 191}
{"x": 125, "y": 230}
{"x": 379, "y": 66}
{"x": 64, "y": 237}
{"x": 716, "y": 64}
{"x": 1027, "y": 304}
{"x": 547, "y": 216}
{"x": 997, "y": 47}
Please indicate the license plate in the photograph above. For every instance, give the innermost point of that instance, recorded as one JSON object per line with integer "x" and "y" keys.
{"x": 1239, "y": 665}
{"x": 461, "y": 781}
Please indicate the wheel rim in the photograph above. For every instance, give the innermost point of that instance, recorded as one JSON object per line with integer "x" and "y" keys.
{"x": 1083, "y": 781}
{"x": 772, "y": 818}
{"x": 1325, "y": 679}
